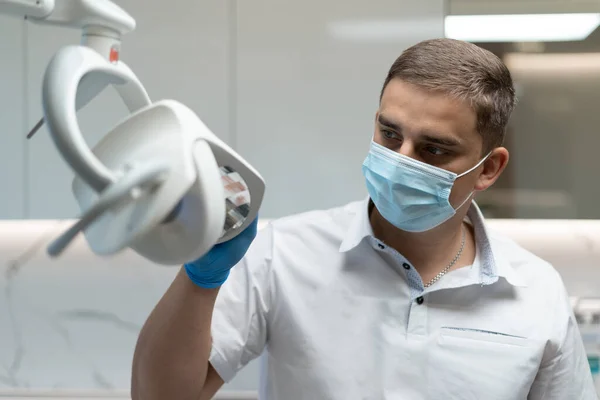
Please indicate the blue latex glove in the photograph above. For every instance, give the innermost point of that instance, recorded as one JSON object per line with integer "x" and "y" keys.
{"x": 212, "y": 269}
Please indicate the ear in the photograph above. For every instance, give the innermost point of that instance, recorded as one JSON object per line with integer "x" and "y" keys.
{"x": 493, "y": 167}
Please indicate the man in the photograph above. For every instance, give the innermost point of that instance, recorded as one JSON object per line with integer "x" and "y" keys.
{"x": 405, "y": 295}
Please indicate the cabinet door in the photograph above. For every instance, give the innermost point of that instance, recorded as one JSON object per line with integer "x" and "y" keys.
{"x": 178, "y": 50}
{"x": 309, "y": 75}
{"x": 12, "y": 117}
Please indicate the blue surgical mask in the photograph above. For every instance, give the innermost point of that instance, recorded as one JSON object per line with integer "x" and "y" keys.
{"x": 411, "y": 195}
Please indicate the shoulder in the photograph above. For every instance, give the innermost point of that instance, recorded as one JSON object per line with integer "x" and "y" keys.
{"x": 543, "y": 285}
{"x": 303, "y": 244}
{"x": 543, "y": 298}
{"x": 295, "y": 232}
{"x": 530, "y": 266}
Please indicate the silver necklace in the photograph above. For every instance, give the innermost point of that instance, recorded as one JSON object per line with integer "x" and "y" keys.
{"x": 445, "y": 270}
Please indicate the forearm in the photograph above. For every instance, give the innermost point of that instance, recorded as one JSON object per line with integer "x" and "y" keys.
{"x": 171, "y": 356}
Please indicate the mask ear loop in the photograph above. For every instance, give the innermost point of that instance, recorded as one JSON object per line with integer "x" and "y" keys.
{"x": 465, "y": 173}
{"x": 475, "y": 167}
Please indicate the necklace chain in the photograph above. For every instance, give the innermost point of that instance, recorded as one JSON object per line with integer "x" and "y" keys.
{"x": 445, "y": 270}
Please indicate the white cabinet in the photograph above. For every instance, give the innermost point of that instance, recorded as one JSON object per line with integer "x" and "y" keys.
{"x": 308, "y": 80}
{"x": 178, "y": 50}
{"x": 13, "y": 131}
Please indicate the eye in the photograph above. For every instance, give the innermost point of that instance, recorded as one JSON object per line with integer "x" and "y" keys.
{"x": 436, "y": 151}
{"x": 389, "y": 134}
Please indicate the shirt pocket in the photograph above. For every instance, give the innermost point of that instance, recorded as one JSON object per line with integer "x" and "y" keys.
{"x": 449, "y": 333}
{"x": 468, "y": 363}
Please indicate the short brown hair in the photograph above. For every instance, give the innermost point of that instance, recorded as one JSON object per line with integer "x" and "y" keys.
{"x": 464, "y": 71}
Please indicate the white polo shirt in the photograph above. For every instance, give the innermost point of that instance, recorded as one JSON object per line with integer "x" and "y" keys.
{"x": 342, "y": 316}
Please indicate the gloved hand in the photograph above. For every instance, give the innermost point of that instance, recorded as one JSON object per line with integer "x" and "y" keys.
{"x": 212, "y": 269}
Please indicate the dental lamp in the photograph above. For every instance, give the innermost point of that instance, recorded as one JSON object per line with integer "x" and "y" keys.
{"x": 155, "y": 182}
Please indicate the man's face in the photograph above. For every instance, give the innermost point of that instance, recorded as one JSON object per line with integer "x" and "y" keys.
{"x": 437, "y": 130}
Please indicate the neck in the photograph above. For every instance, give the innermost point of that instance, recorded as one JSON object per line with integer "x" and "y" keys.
{"x": 430, "y": 251}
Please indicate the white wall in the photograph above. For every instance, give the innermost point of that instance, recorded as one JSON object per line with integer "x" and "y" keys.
{"x": 12, "y": 118}
{"x": 268, "y": 77}
{"x": 556, "y": 132}
{"x": 306, "y": 100}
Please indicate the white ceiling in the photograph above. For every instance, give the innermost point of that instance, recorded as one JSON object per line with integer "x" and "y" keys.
{"x": 468, "y": 7}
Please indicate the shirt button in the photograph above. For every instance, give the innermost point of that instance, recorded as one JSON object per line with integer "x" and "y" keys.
{"x": 420, "y": 300}
{"x": 381, "y": 246}
{"x": 406, "y": 266}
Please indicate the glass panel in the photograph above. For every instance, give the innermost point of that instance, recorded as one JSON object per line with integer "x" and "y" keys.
{"x": 553, "y": 135}
{"x": 237, "y": 199}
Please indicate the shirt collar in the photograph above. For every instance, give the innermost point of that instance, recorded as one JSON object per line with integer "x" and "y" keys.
{"x": 360, "y": 227}
{"x": 493, "y": 265}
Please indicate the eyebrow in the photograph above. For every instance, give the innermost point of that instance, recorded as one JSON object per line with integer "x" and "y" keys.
{"x": 388, "y": 124}
{"x": 444, "y": 141}
{"x": 428, "y": 136}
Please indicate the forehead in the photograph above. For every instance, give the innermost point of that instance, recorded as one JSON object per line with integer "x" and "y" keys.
{"x": 417, "y": 109}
